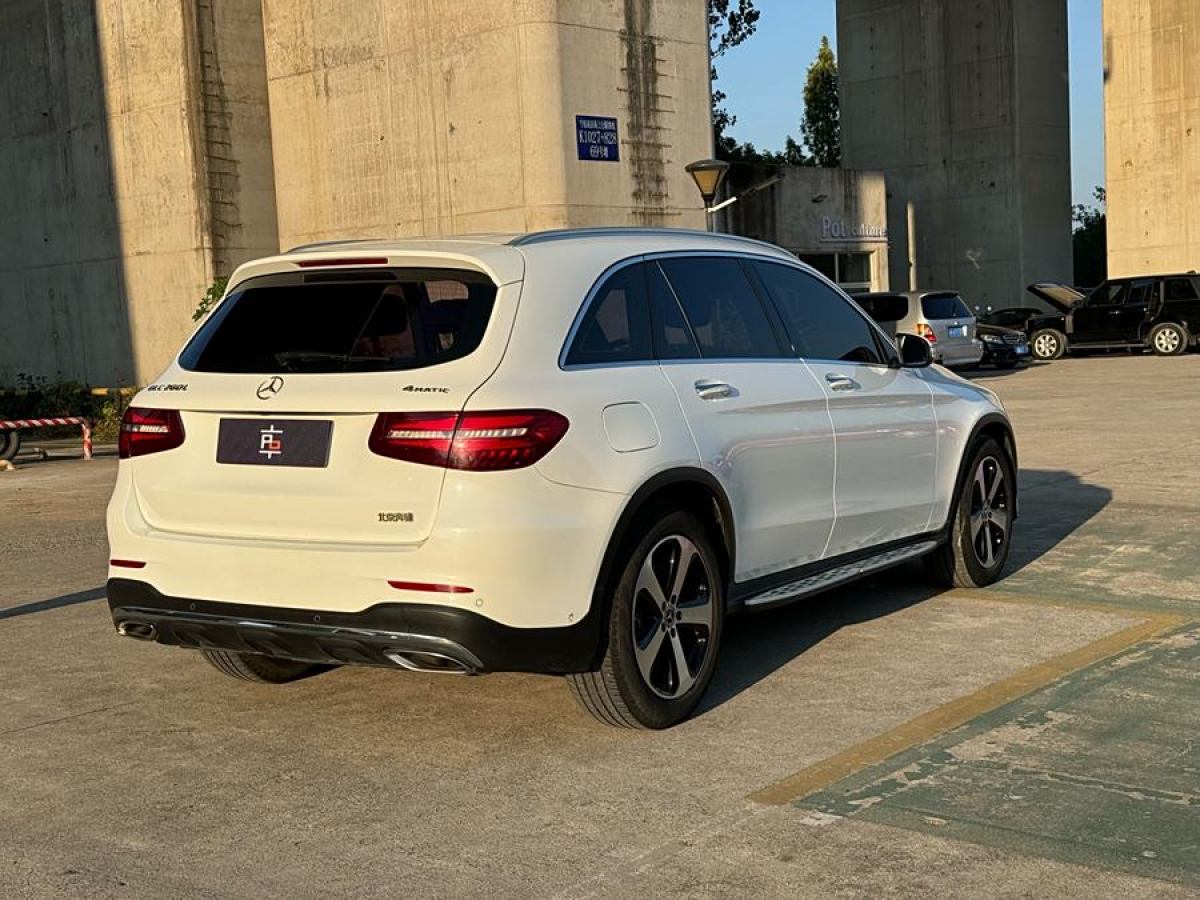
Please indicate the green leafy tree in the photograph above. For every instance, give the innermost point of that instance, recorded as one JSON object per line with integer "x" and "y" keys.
{"x": 821, "y": 127}
{"x": 1090, "y": 241}
{"x": 215, "y": 292}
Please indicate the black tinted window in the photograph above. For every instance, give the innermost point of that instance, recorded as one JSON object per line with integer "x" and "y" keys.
{"x": 344, "y": 322}
{"x": 672, "y": 336}
{"x": 1111, "y": 294}
{"x": 724, "y": 313}
{"x": 883, "y": 307}
{"x": 822, "y": 323}
{"x": 1180, "y": 289}
{"x": 944, "y": 306}
{"x": 616, "y": 327}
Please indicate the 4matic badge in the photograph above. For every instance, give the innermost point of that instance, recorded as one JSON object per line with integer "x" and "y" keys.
{"x": 422, "y": 389}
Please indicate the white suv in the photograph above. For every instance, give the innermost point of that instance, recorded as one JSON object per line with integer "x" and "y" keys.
{"x": 570, "y": 452}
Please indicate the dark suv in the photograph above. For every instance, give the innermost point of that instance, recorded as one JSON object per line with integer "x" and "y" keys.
{"x": 1161, "y": 312}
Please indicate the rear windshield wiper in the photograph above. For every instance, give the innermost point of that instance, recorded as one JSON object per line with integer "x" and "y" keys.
{"x": 287, "y": 358}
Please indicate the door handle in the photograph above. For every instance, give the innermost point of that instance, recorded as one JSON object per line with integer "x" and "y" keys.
{"x": 713, "y": 390}
{"x": 841, "y": 382}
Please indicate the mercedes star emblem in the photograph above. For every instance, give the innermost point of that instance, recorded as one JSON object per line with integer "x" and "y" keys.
{"x": 269, "y": 388}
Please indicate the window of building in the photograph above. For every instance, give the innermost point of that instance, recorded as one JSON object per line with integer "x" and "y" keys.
{"x": 821, "y": 322}
{"x": 849, "y": 271}
{"x": 725, "y": 314}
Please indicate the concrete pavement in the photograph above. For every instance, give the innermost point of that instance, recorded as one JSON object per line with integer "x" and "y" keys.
{"x": 882, "y": 739}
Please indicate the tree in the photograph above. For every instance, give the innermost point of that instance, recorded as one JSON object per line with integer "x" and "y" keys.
{"x": 1090, "y": 241}
{"x": 729, "y": 23}
{"x": 821, "y": 126}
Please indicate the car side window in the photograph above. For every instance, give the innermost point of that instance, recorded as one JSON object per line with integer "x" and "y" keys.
{"x": 821, "y": 322}
{"x": 616, "y": 326}
{"x": 1180, "y": 290}
{"x": 673, "y": 338}
{"x": 1141, "y": 292}
{"x": 1112, "y": 294}
{"x": 721, "y": 306}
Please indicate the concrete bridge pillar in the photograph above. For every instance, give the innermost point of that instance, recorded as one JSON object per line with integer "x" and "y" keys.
{"x": 394, "y": 117}
{"x": 965, "y": 107}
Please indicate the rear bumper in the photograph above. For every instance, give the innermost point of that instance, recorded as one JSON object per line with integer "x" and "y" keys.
{"x": 387, "y": 634}
{"x": 961, "y": 354}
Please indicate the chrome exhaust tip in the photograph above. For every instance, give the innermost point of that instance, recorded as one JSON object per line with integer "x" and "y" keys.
{"x": 141, "y": 631}
{"x": 429, "y": 661}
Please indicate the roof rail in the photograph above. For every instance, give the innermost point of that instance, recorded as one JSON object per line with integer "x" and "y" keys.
{"x": 566, "y": 234}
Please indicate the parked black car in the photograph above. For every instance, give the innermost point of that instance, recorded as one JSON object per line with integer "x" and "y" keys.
{"x": 1013, "y": 316}
{"x": 1161, "y": 312}
{"x": 1004, "y": 348}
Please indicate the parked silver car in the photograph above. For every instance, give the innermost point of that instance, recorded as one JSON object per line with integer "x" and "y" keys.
{"x": 940, "y": 317}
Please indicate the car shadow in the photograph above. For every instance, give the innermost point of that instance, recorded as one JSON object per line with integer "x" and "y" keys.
{"x": 757, "y": 644}
{"x": 992, "y": 372}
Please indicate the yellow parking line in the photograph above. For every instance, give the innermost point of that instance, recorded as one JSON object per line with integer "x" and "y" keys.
{"x": 958, "y": 712}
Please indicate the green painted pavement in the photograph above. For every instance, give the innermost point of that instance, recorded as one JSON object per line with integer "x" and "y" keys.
{"x": 1101, "y": 768}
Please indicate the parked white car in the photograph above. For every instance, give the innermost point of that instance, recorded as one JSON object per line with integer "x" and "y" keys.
{"x": 569, "y": 452}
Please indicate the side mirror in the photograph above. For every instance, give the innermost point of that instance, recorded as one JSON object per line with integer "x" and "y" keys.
{"x": 915, "y": 351}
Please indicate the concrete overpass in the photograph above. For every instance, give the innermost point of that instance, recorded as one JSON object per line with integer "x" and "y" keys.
{"x": 149, "y": 146}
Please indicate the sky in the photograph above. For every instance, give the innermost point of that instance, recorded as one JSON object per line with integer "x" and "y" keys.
{"x": 789, "y": 32}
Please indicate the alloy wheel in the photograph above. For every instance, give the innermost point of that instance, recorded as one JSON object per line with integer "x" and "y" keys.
{"x": 673, "y": 616}
{"x": 990, "y": 512}
{"x": 1166, "y": 341}
{"x": 1046, "y": 345}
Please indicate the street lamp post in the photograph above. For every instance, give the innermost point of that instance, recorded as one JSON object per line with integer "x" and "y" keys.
{"x": 708, "y": 175}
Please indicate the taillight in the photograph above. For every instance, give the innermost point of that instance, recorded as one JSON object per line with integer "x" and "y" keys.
{"x": 476, "y": 441}
{"x": 148, "y": 431}
{"x": 926, "y": 331}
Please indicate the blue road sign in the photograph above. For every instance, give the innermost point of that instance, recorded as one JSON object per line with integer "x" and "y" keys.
{"x": 597, "y": 138}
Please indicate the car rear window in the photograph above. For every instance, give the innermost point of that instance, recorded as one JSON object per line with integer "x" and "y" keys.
{"x": 944, "y": 306}
{"x": 378, "y": 320}
{"x": 883, "y": 307}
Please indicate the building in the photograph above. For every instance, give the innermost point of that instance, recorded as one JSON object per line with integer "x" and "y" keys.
{"x": 965, "y": 108}
{"x": 1152, "y": 125}
{"x": 148, "y": 148}
{"x": 833, "y": 219}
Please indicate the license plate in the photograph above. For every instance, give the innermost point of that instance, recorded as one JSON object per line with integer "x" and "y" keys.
{"x": 1022, "y": 350}
{"x": 958, "y": 331}
{"x": 274, "y": 442}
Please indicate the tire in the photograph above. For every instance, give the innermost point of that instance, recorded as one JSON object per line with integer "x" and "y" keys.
{"x": 980, "y": 530}
{"x": 1047, "y": 344}
{"x": 261, "y": 669}
{"x": 10, "y": 443}
{"x": 1168, "y": 339}
{"x": 633, "y": 689}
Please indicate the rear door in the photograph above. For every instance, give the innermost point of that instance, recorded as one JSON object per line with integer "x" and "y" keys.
{"x": 882, "y": 415}
{"x": 280, "y": 390}
{"x": 757, "y": 414}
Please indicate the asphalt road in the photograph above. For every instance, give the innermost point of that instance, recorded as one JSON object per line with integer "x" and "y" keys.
{"x": 1034, "y": 739}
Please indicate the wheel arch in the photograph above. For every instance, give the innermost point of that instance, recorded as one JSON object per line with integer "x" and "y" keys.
{"x": 687, "y": 487}
{"x": 993, "y": 425}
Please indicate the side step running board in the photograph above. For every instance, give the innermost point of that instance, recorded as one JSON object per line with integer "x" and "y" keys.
{"x": 813, "y": 584}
